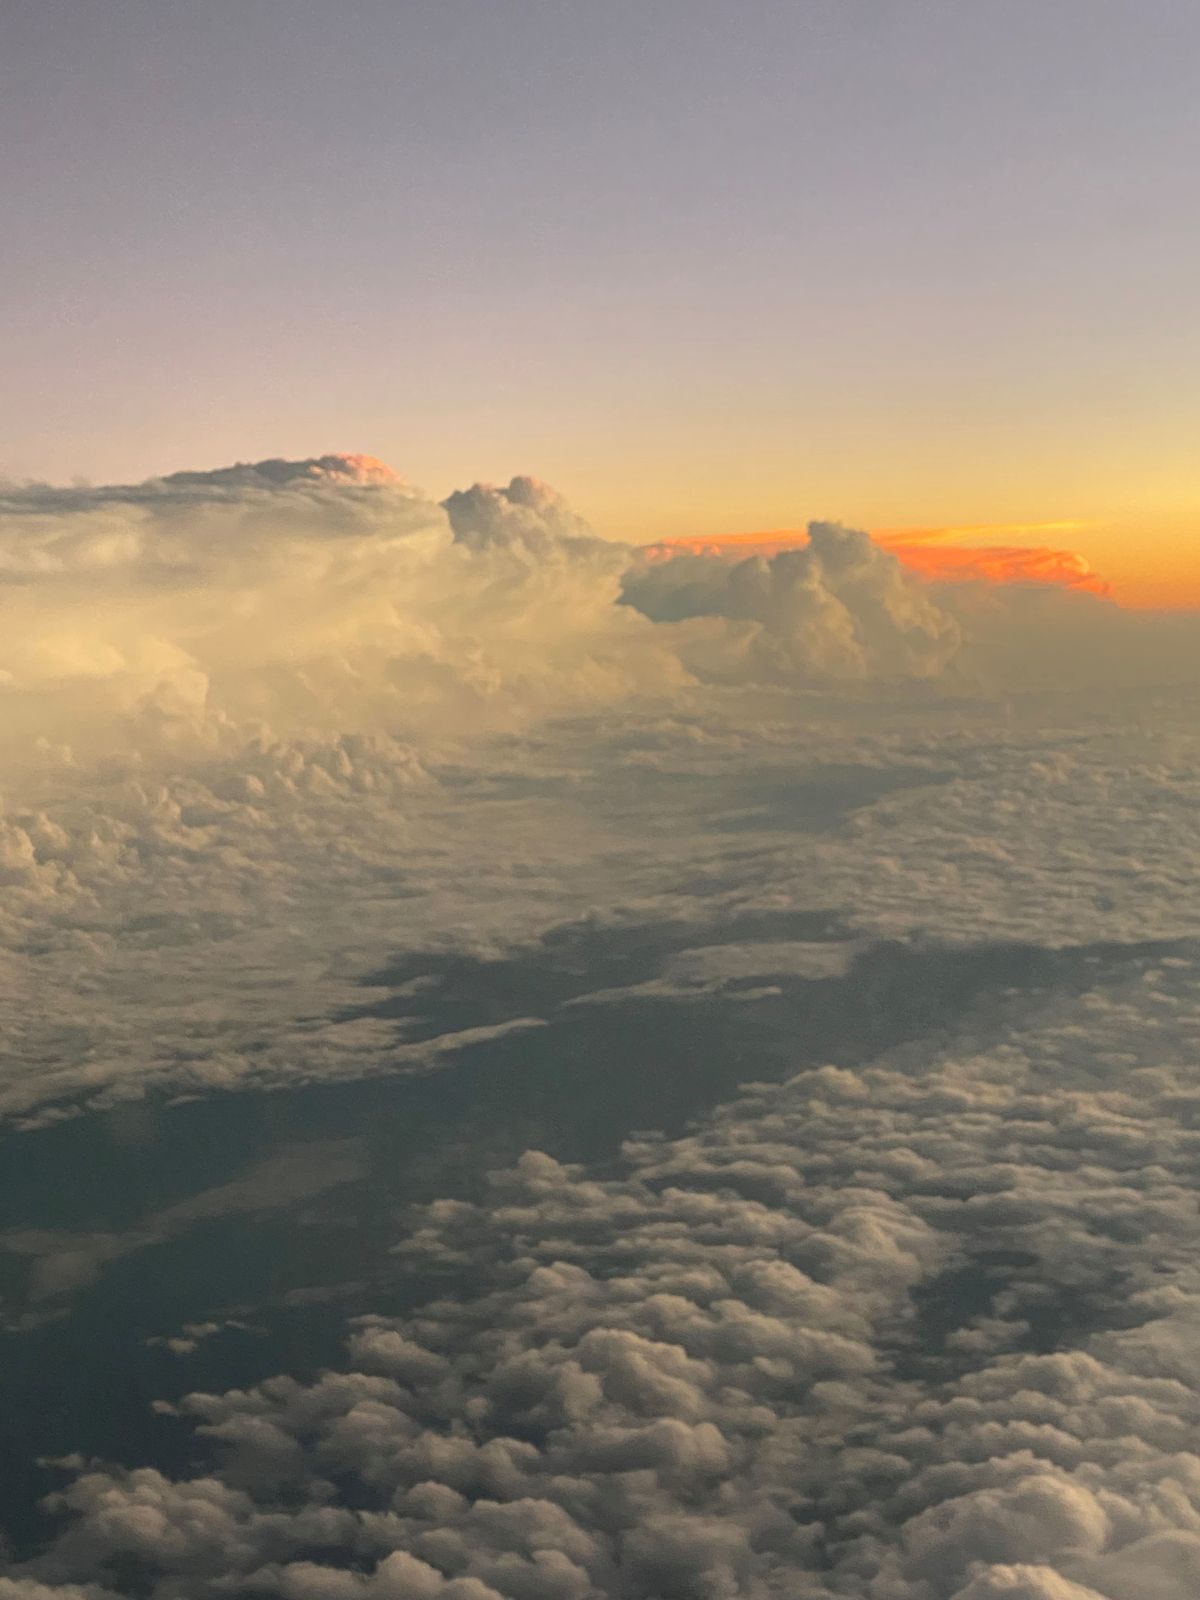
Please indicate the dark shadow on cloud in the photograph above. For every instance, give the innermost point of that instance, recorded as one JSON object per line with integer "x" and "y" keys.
{"x": 1044, "y": 1315}
{"x": 575, "y": 1088}
{"x": 743, "y": 798}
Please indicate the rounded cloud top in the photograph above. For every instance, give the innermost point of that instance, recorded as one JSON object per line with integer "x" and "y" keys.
{"x": 527, "y": 512}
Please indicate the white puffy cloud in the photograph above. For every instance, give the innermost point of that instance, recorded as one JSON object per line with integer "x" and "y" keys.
{"x": 325, "y": 594}
{"x": 730, "y": 1368}
{"x": 841, "y": 608}
{"x": 529, "y": 513}
{"x": 222, "y": 697}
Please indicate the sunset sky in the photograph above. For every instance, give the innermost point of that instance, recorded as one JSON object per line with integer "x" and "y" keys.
{"x": 706, "y": 268}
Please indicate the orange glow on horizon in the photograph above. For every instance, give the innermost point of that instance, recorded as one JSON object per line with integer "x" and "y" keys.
{"x": 998, "y": 564}
{"x": 977, "y": 530}
{"x": 921, "y": 552}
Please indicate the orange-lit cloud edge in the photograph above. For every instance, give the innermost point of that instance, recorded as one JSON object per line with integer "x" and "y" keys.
{"x": 930, "y": 553}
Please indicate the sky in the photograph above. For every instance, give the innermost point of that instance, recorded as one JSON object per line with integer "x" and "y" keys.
{"x": 707, "y": 268}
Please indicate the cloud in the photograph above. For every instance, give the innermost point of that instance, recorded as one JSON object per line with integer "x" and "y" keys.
{"x": 31, "y": 1589}
{"x": 928, "y": 553}
{"x": 996, "y": 618}
{"x": 321, "y": 594}
{"x": 278, "y": 719}
{"x": 527, "y": 512}
{"x": 328, "y": 597}
{"x": 937, "y": 555}
{"x": 193, "y": 1334}
{"x": 728, "y": 1368}
{"x": 924, "y": 1329}
{"x": 840, "y": 608}
{"x": 1025, "y": 1583}
{"x": 282, "y": 718}
{"x": 998, "y": 564}
{"x": 222, "y": 694}
{"x": 1043, "y": 637}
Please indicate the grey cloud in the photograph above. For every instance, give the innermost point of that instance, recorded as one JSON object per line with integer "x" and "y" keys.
{"x": 312, "y": 474}
{"x": 193, "y": 1334}
{"x": 31, "y": 1589}
{"x": 1024, "y": 1582}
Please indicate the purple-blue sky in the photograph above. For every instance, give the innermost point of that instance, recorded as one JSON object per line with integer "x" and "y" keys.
{"x": 704, "y": 265}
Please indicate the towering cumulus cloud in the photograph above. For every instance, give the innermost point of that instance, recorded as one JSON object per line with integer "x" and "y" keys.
{"x": 840, "y": 608}
{"x": 527, "y": 512}
{"x": 866, "y": 987}
{"x": 302, "y": 594}
{"x": 225, "y": 693}
{"x": 329, "y": 594}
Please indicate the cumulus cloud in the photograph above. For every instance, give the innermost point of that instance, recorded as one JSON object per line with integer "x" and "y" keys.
{"x": 328, "y": 597}
{"x": 993, "y": 619}
{"x": 922, "y": 1330}
{"x": 282, "y": 717}
{"x": 224, "y": 694}
{"x": 840, "y": 608}
{"x": 325, "y": 594}
{"x": 1024, "y": 1583}
{"x": 527, "y": 512}
{"x": 729, "y": 1368}
{"x": 248, "y": 714}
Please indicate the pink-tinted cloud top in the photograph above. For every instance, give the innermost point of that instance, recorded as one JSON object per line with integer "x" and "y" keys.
{"x": 919, "y": 550}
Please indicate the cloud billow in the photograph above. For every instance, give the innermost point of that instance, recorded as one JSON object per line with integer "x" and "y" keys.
{"x": 923, "y": 1329}
{"x": 840, "y": 608}
{"x": 229, "y": 698}
{"x": 726, "y": 1370}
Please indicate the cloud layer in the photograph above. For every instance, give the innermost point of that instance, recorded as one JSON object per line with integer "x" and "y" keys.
{"x": 259, "y": 721}
{"x": 921, "y": 1330}
{"x": 924, "y": 1331}
{"x": 328, "y": 595}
